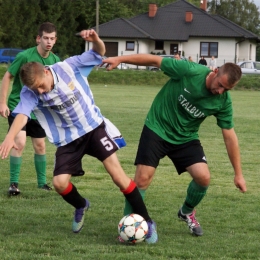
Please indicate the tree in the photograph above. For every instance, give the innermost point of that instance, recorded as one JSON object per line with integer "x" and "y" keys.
{"x": 242, "y": 12}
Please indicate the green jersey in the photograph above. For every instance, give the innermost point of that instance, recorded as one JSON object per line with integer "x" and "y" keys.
{"x": 28, "y": 55}
{"x": 184, "y": 102}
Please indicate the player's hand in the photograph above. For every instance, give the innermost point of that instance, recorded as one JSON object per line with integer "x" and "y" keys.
{"x": 6, "y": 146}
{"x": 112, "y": 62}
{"x": 89, "y": 35}
{"x": 240, "y": 183}
{"x": 4, "y": 110}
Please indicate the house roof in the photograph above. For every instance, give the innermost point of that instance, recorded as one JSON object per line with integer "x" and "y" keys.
{"x": 169, "y": 24}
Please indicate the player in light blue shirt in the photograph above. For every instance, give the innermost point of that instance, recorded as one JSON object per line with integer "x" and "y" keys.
{"x": 61, "y": 99}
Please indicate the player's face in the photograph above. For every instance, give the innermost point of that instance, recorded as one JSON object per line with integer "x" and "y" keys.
{"x": 218, "y": 84}
{"x": 47, "y": 40}
{"x": 44, "y": 83}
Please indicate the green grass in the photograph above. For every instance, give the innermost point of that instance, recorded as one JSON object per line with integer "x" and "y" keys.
{"x": 37, "y": 224}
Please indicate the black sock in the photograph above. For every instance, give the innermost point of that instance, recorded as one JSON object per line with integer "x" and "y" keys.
{"x": 137, "y": 203}
{"x": 74, "y": 198}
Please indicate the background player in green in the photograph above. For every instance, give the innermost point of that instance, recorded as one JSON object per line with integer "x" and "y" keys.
{"x": 192, "y": 93}
{"x": 46, "y": 38}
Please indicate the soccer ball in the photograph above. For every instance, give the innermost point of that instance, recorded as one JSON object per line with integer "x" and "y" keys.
{"x": 133, "y": 228}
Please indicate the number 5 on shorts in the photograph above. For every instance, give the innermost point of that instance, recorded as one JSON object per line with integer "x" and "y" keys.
{"x": 106, "y": 143}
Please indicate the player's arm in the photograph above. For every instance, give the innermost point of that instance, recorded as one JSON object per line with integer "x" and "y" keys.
{"x": 232, "y": 146}
{"x": 136, "y": 59}
{"x": 4, "y": 110}
{"x": 8, "y": 143}
{"x": 92, "y": 36}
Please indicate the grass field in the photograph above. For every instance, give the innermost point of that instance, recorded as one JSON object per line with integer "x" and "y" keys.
{"x": 37, "y": 224}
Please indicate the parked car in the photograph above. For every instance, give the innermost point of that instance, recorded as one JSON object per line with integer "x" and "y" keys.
{"x": 7, "y": 55}
{"x": 152, "y": 68}
{"x": 249, "y": 67}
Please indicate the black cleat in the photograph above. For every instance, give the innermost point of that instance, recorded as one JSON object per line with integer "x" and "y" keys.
{"x": 13, "y": 189}
{"x": 45, "y": 187}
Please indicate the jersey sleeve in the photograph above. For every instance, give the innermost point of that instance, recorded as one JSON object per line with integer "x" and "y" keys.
{"x": 225, "y": 115}
{"x": 28, "y": 101}
{"x": 85, "y": 62}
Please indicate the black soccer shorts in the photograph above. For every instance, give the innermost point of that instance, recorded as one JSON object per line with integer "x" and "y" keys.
{"x": 152, "y": 148}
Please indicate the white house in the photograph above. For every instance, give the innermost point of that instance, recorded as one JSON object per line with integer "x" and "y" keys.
{"x": 179, "y": 27}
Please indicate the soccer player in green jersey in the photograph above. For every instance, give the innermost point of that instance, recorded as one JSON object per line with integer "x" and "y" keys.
{"x": 46, "y": 38}
{"x": 192, "y": 93}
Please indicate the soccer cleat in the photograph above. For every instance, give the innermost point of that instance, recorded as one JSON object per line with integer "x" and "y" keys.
{"x": 152, "y": 236}
{"x": 120, "y": 239}
{"x": 192, "y": 222}
{"x": 13, "y": 189}
{"x": 45, "y": 187}
{"x": 78, "y": 220}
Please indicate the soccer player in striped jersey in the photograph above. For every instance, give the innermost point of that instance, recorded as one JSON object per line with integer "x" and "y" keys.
{"x": 61, "y": 99}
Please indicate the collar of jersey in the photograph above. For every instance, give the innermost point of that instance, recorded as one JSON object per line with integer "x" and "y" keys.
{"x": 55, "y": 76}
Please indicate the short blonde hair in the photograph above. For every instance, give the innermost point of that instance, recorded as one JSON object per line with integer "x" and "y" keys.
{"x": 30, "y": 72}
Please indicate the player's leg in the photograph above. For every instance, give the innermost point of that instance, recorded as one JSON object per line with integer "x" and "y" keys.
{"x": 37, "y": 134}
{"x": 72, "y": 154}
{"x": 126, "y": 185}
{"x": 131, "y": 193}
{"x": 191, "y": 158}
{"x": 16, "y": 159}
{"x": 106, "y": 139}
{"x": 150, "y": 151}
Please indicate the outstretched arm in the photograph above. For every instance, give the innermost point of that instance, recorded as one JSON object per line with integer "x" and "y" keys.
{"x": 92, "y": 36}
{"x": 136, "y": 59}
{"x": 8, "y": 143}
{"x": 231, "y": 142}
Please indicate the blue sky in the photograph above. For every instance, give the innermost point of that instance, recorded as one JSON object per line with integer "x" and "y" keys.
{"x": 257, "y": 3}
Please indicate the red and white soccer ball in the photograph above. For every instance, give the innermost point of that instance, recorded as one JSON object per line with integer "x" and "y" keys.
{"x": 133, "y": 228}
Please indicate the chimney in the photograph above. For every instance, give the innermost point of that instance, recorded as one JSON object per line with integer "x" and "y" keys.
{"x": 188, "y": 17}
{"x": 203, "y": 5}
{"x": 152, "y": 10}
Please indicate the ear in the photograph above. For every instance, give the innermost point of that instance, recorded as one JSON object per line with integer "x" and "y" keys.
{"x": 38, "y": 39}
{"x": 215, "y": 70}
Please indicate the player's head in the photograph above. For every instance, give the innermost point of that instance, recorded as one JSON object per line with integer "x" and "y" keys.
{"x": 232, "y": 71}
{"x": 37, "y": 77}
{"x": 177, "y": 56}
{"x": 46, "y": 38}
{"x": 223, "y": 79}
{"x": 47, "y": 28}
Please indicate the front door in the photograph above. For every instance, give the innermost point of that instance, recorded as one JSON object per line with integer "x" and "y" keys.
{"x": 173, "y": 48}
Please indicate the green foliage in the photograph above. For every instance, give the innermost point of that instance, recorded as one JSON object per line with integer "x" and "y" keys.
{"x": 242, "y": 12}
{"x": 145, "y": 77}
{"x": 22, "y": 18}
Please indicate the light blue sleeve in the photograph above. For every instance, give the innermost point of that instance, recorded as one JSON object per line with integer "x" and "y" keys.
{"x": 28, "y": 101}
{"x": 85, "y": 62}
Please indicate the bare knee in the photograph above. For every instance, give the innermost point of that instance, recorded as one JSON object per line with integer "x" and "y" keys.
{"x": 200, "y": 174}
{"x": 60, "y": 184}
{"x": 143, "y": 176}
{"x": 20, "y": 143}
{"x": 39, "y": 145}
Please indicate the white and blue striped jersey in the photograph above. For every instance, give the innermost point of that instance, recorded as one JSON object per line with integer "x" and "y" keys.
{"x": 68, "y": 111}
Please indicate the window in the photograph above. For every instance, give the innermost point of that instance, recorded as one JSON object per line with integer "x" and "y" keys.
{"x": 246, "y": 65}
{"x": 208, "y": 49}
{"x": 257, "y": 65}
{"x": 159, "y": 45}
{"x": 130, "y": 46}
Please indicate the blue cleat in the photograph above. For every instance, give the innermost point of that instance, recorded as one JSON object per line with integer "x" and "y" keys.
{"x": 78, "y": 220}
{"x": 152, "y": 236}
